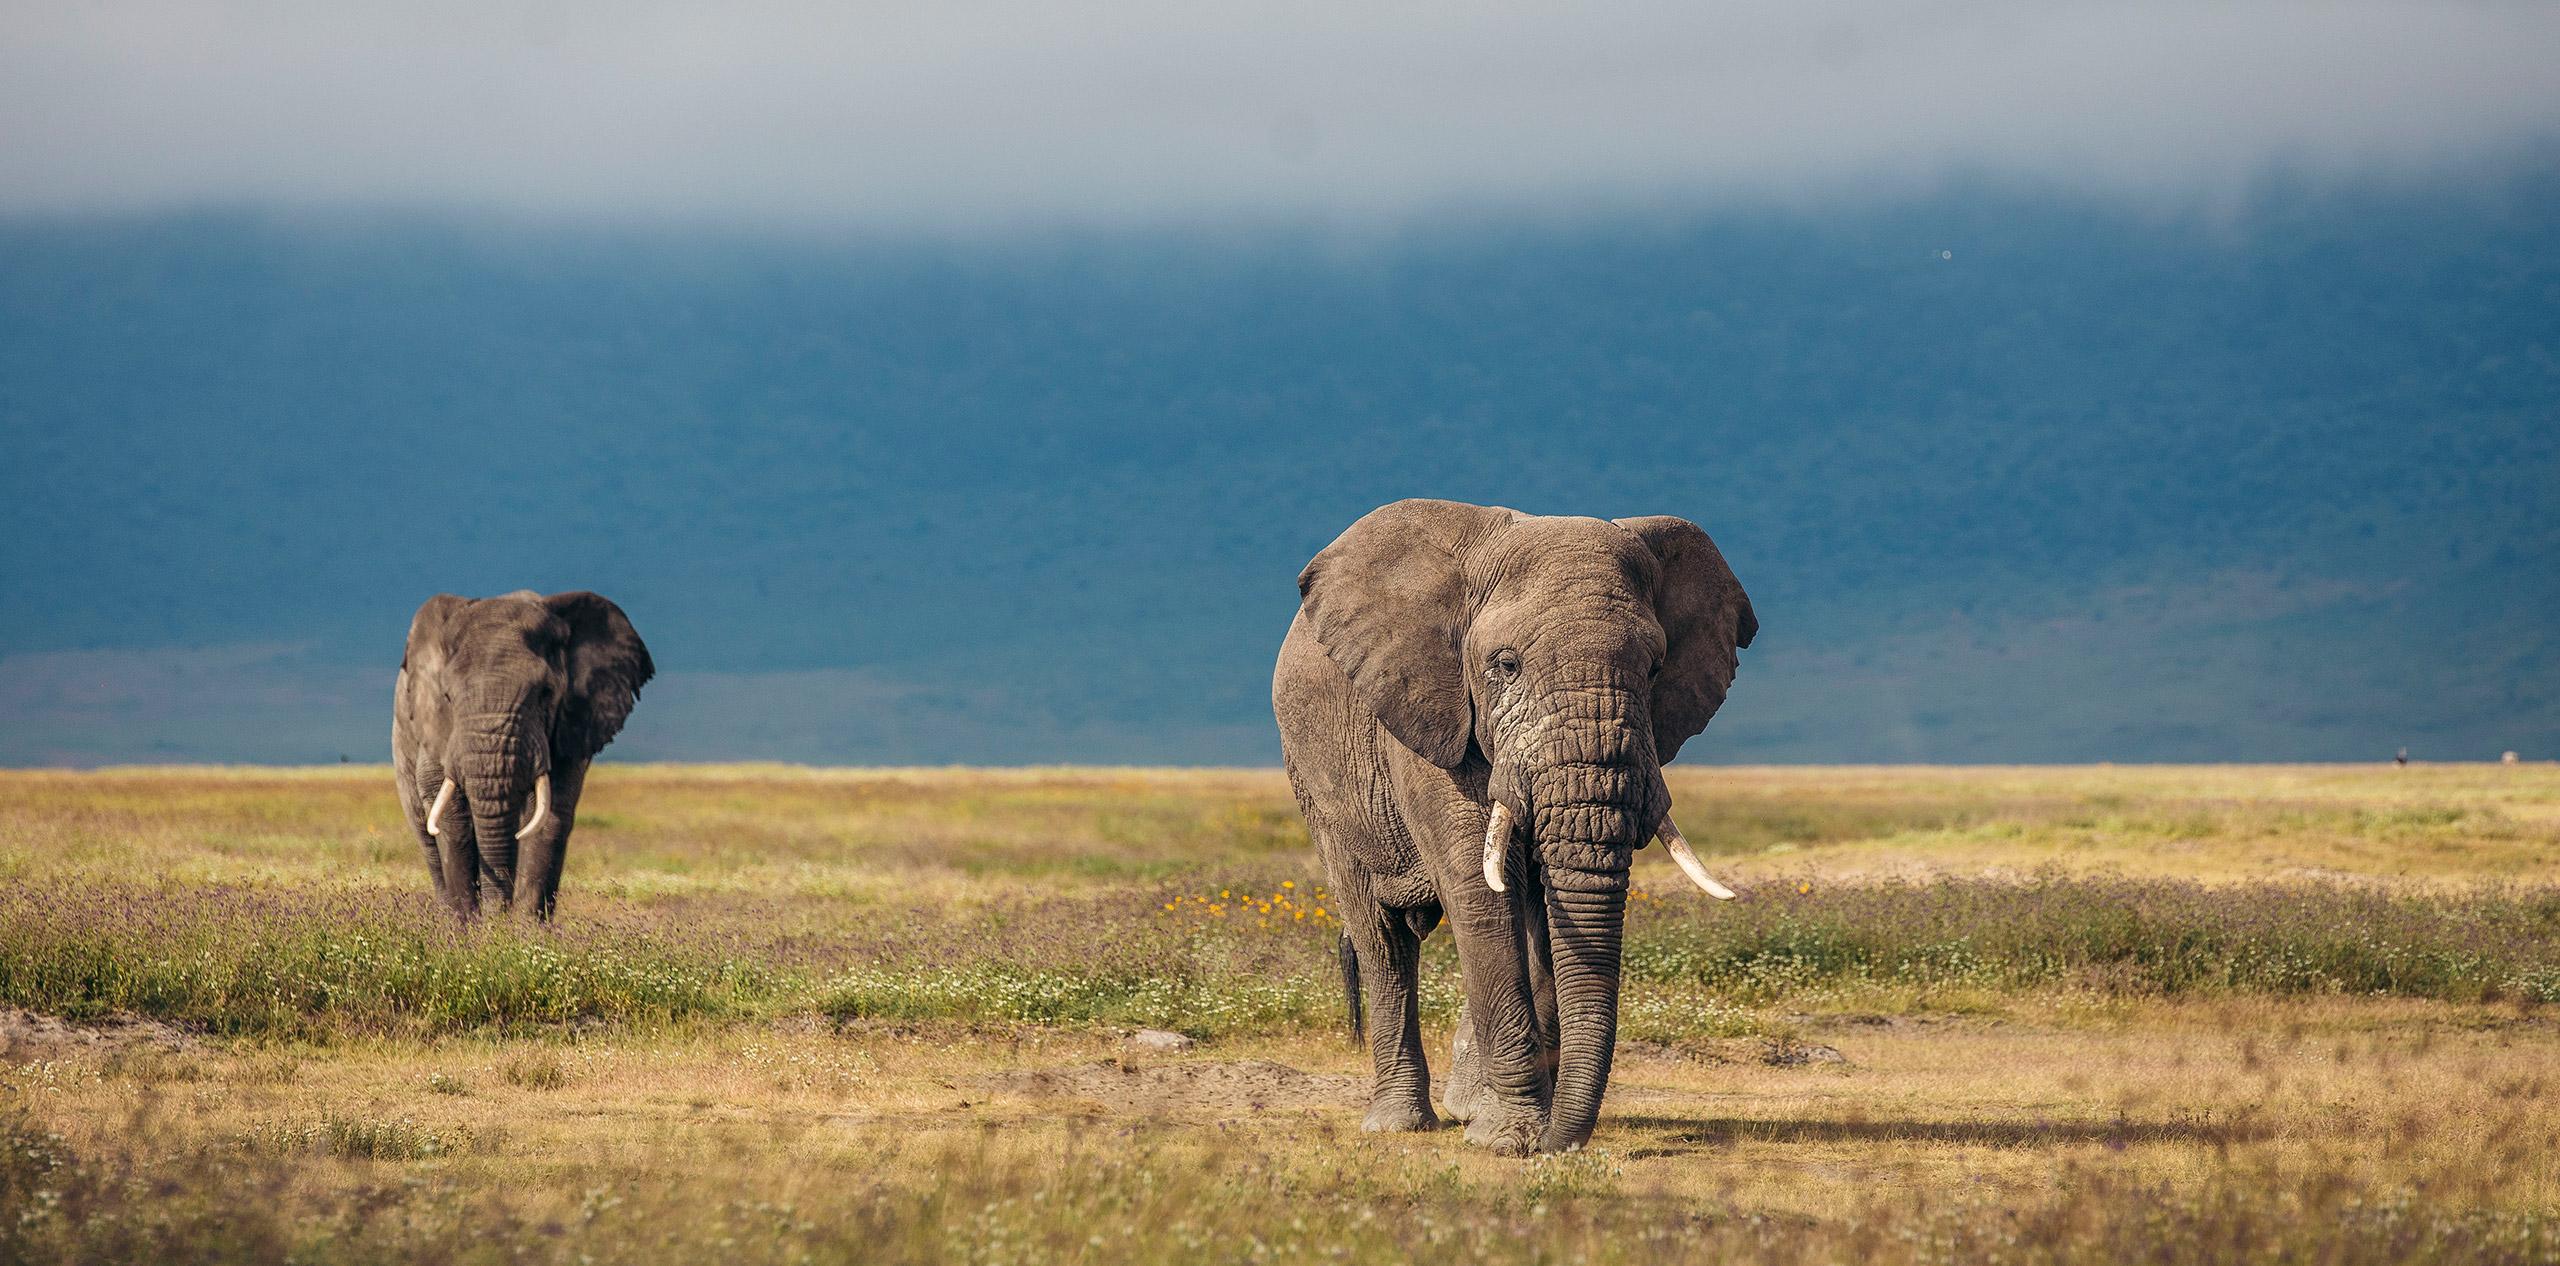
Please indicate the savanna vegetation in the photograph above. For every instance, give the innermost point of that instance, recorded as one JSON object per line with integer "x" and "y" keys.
{"x": 2118, "y": 1014}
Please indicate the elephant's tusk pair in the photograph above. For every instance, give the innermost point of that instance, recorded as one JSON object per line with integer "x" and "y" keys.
{"x": 1678, "y": 846}
{"x": 435, "y": 813}
{"x": 542, "y": 807}
{"x": 1497, "y": 846}
{"x": 1497, "y": 853}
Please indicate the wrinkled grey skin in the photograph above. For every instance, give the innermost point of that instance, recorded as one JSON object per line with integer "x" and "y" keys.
{"x": 1447, "y": 655}
{"x": 495, "y": 693}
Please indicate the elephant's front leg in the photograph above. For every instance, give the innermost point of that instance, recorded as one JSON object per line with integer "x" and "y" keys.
{"x": 1509, "y": 1108}
{"x": 543, "y": 855}
{"x": 413, "y": 810}
{"x": 539, "y": 857}
{"x": 458, "y": 857}
{"x": 1531, "y": 909}
{"x": 451, "y": 853}
{"x": 1468, "y": 1083}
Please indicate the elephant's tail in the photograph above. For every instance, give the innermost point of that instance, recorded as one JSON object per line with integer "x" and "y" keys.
{"x": 1351, "y": 986}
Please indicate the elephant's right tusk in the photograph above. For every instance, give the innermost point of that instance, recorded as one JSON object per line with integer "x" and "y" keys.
{"x": 435, "y": 814}
{"x": 1497, "y": 846}
{"x": 1678, "y": 846}
{"x": 541, "y": 807}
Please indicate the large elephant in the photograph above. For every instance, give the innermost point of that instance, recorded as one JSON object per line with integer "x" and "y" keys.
{"x": 1474, "y": 708}
{"x": 501, "y": 705}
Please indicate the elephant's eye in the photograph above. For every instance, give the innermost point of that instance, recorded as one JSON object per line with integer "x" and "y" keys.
{"x": 1506, "y": 665}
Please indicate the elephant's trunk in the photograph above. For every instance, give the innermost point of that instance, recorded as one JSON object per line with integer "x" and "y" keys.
{"x": 1589, "y": 816}
{"x": 504, "y": 755}
{"x": 1586, "y": 919}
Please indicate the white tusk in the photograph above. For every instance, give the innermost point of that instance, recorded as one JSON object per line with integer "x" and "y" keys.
{"x": 541, "y": 806}
{"x": 1680, "y": 852}
{"x": 435, "y": 815}
{"x": 1497, "y": 846}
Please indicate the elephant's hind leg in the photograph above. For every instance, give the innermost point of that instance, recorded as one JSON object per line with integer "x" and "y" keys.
{"x": 1390, "y": 955}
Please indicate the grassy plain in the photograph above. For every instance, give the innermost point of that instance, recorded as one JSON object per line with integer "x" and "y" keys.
{"x": 2084, "y": 1014}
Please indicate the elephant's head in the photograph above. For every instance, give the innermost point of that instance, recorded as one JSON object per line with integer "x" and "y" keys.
{"x": 497, "y": 692}
{"x": 1571, "y": 657}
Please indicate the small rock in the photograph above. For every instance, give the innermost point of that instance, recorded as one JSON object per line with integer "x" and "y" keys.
{"x": 1160, "y": 1040}
{"x": 1785, "y": 1054}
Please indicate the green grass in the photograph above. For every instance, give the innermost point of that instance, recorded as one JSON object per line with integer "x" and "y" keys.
{"x": 250, "y": 963}
{"x": 2156, "y": 937}
{"x": 356, "y": 964}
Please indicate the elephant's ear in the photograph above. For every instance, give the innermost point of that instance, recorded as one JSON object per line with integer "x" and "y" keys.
{"x": 1705, "y": 618}
{"x": 1388, "y": 601}
{"x": 608, "y": 664}
{"x": 424, "y": 650}
{"x": 422, "y": 660}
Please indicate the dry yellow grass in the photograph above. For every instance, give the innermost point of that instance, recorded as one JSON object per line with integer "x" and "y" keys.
{"x": 758, "y": 828}
{"x": 2233, "y": 822}
{"x": 2063, "y": 1114}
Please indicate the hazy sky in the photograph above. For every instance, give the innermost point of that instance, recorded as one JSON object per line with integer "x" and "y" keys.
{"x": 2068, "y": 381}
{"x": 909, "y": 115}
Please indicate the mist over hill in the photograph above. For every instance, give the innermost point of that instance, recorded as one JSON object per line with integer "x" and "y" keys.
{"x": 2010, "y": 476}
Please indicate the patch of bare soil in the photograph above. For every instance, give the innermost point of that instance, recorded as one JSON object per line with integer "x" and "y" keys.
{"x": 1777, "y": 1052}
{"x": 25, "y": 1035}
{"x": 1189, "y": 1088}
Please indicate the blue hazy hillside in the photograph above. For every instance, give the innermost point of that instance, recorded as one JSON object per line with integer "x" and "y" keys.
{"x": 2009, "y": 478}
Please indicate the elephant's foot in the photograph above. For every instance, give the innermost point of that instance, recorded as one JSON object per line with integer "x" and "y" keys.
{"x": 1399, "y": 1112}
{"x": 1466, "y": 1083}
{"x": 1466, "y": 1105}
{"x": 1508, "y": 1129}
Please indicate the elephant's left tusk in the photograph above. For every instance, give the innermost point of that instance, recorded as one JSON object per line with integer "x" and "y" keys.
{"x": 435, "y": 814}
{"x": 1678, "y": 846}
{"x": 1497, "y": 846}
{"x": 541, "y": 807}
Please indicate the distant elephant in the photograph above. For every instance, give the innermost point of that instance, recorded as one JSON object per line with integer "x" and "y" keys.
{"x": 1474, "y": 708}
{"x": 500, "y": 706}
